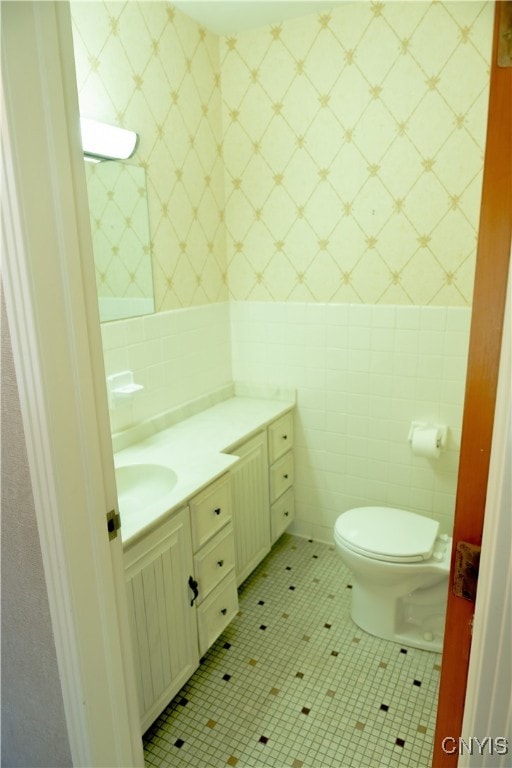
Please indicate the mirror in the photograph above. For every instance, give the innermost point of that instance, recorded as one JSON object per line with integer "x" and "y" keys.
{"x": 121, "y": 239}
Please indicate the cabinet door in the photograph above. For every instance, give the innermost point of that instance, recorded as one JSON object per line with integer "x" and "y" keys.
{"x": 164, "y": 628}
{"x": 251, "y": 511}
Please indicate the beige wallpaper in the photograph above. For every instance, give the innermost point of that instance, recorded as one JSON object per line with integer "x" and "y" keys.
{"x": 332, "y": 158}
{"x": 148, "y": 67}
{"x": 353, "y": 147}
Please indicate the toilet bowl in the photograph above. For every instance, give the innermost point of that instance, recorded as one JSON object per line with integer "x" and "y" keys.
{"x": 400, "y": 566}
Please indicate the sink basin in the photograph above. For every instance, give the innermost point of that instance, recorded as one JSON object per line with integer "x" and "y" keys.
{"x": 141, "y": 485}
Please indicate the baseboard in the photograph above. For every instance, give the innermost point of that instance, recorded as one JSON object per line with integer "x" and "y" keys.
{"x": 308, "y": 530}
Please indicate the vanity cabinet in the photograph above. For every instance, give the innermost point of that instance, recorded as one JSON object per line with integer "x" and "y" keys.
{"x": 163, "y": 622}
{"x": 263, "y": 499}
{"x": 251, "y": 511}
{"x": 182, "y": 574}
{"x": 214, "y": 560}
{"x": 281, "y": 474}
{"x": 182, "y": 594}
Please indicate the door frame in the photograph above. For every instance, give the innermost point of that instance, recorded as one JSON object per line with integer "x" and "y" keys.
{"x": 485, "y": 346}
{"x": 51, "y": 304}
{"x": 488, "y": 707}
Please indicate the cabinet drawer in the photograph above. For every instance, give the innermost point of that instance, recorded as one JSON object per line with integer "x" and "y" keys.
{"x": 215, "y": 613}
{"x": 281, "y": 476}
{"x": 282, "y": 513}
{"x": 214, "y": 561}
{"x": 210, "y": 510}
{"x": 280, "y": 437}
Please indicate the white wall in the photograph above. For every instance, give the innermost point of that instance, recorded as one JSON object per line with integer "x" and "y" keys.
{"x": 362, "y": 373}
{"x": 177, "y": 356}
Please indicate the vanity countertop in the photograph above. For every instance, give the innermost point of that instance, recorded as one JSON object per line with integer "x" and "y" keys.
{"x": 197, "y": 450}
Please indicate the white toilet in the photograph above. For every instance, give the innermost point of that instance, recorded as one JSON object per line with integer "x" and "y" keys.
{"x": 400, "y": 569}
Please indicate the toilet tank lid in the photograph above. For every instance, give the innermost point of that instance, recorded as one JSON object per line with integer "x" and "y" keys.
{"x": 388, "y": 532}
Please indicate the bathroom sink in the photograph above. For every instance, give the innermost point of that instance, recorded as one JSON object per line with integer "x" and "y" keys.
{"x": 139, "y": 486}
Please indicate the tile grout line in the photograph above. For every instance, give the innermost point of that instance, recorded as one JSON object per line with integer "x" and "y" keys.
{"x": 294, "y": 682}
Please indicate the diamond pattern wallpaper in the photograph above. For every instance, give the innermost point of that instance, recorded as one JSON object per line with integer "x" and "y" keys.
{"x": 147, "y": 67}
{"x": 336, "y": 157}
{"x": 353, "y": 149}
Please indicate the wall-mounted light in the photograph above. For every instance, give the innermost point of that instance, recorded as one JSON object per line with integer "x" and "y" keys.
{"x": 107, "y": 142}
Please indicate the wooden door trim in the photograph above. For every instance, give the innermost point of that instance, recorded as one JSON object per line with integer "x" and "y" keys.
{"x": 492, "y": 264}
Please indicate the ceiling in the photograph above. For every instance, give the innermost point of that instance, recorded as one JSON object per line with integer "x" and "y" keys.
{"x": 229, "y": 17}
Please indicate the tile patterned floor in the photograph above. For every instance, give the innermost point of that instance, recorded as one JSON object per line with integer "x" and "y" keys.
{"x": 293, "y": 682}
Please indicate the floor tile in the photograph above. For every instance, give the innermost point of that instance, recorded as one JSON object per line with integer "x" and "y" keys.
{"x": 293, "y": 682}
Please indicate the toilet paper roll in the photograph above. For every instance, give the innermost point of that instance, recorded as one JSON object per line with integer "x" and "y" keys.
{"x": 425, "y": 442}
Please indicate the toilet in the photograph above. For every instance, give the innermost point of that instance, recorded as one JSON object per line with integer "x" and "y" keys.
{"x": 400, "y": 566}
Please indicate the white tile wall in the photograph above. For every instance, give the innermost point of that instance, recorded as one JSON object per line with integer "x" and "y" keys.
{"x": 362, "y": 374}
{"x": 177, "y": 356}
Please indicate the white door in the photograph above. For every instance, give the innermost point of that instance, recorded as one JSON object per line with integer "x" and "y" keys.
{"x": 49, "y": 288}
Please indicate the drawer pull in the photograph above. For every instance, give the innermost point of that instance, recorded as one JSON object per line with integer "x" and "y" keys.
{"x": 224, "y": 611}
{"x": 286, "y": 514}
{"x": 285, "y": 437}
{"x": 285, "y": 477}
{"x": 194, "y": 587}
{"x": 220, "y": 563}
{"x": 217, "y": 511}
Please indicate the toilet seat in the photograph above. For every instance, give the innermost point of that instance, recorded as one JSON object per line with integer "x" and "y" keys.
{"x": 385, "y": 533}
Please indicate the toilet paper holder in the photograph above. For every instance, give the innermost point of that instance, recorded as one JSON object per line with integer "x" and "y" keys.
{"x": 441, "y": 432}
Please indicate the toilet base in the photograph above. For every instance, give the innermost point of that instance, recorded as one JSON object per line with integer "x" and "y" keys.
{"x": 415, "y": 619}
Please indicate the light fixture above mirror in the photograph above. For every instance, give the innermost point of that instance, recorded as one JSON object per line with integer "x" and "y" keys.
{"x": 106, "y": 142}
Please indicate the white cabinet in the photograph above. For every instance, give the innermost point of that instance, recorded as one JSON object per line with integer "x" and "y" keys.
{"x": 181, "y": 594}
{"x": 182, "y": 576}
{"x": 280, "y": 444}
{"x": 163, "y": 622}
{"x": 281, "y": 476}
{"x": 210, "y": 510}
{"x": 263, "y": 501}
{"x": 280, "y": 436}
{"x": 282, "y": 513}
{"x": 216, "y": 612}
{"x": 251, "y": 512}
{"x": 214, "y": 560}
